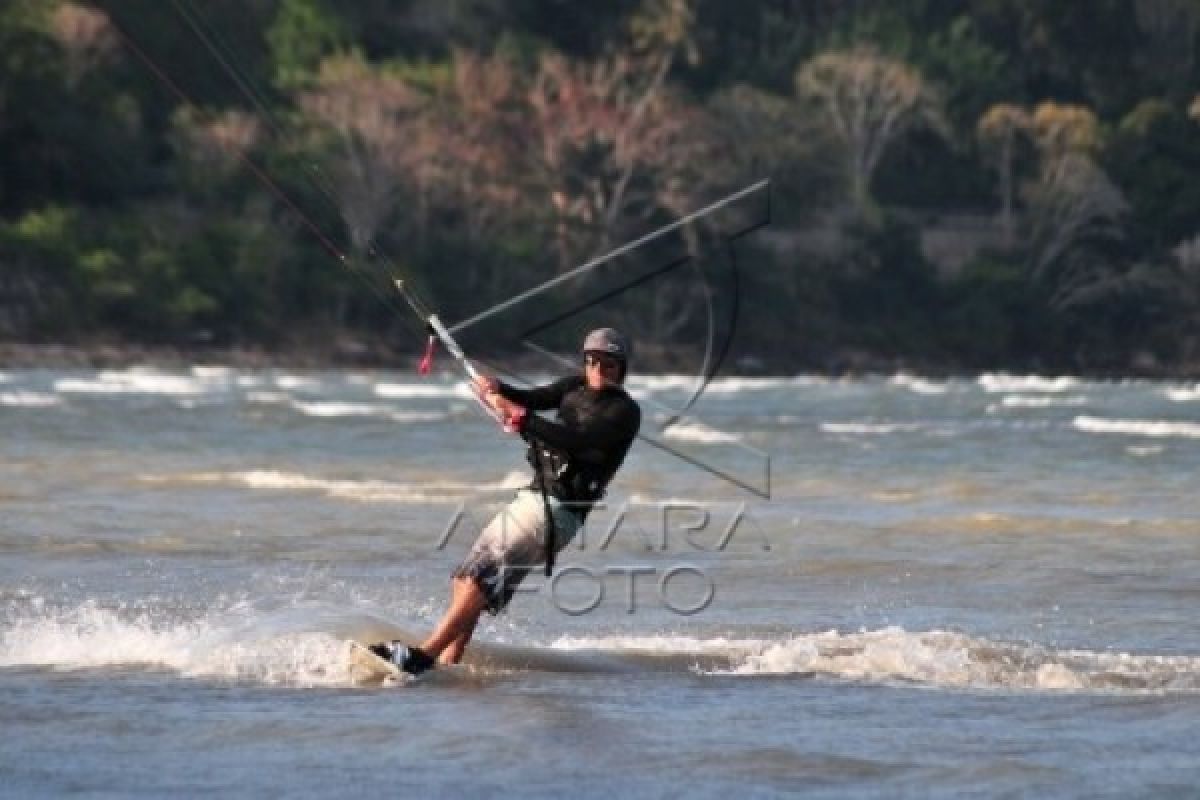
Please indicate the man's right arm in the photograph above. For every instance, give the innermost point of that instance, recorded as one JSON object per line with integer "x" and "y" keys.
{"x": 538, "y": 398}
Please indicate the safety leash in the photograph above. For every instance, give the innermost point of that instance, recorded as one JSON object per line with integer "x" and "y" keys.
{"x": 439, "y": 333}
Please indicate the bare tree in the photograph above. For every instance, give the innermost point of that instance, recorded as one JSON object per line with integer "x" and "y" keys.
{"x": 763, "y": 125}
{"x": 999, "y": 131}
{"x": 371, "y": 118}
{"x": 594, "y": 147}
{"x": 869, "y": 102}
{"x": 214, "y": 143}
{"x": 478, "y": 163}
{"x": 585, "y": 151}
{"x": 610, "y": 150}
{"x": 615, "y": 143}
{"x": 1059, "y": 129}
{"x": 1077, "y": 211}
{"x": 86, "y": 36}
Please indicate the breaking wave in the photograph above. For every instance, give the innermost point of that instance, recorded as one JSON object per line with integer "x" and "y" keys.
{"x": 293, "y": 383}
{"x": 868, "y": 428}
{"x": 1024, "y": 401}
{"x": 999, "y": 383}
{"x": 919, "y": 385}
{"x": 360, "y": 490}
{"x": 695, "y": 432}
{"x": 938, "y": 659}
{"x": 664, "y": 383}
{"x": 306, "y": 646}
{"x": 1185, "y": 395}
{"x": 144, "y": 381}
{"x": 394, "y": 391}
{"x": 334, "y": 409}
{"x": 1138, "y": 427}
{"x": 29, "y": 400}
{"x": 215, "y": 645}
{"x": 337, "y": 409}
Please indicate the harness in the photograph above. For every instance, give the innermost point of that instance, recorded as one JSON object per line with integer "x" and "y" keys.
{"x": 551, "y": 535}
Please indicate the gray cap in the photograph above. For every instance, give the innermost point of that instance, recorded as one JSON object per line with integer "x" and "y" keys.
{"x": 608, "y": 340}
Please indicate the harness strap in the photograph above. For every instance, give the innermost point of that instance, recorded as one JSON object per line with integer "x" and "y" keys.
{"x": 551, "y": 534}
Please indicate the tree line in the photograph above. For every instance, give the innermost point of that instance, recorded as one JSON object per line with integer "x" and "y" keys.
{"x": 234, "y": 172}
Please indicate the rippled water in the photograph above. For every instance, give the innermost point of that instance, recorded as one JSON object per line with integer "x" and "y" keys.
{"x": 900, "y": 587}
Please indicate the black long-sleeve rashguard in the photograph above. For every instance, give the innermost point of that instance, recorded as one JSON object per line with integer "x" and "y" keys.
{"x": 575, "y": 456}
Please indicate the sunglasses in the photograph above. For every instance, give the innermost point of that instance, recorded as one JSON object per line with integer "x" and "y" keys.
{"x": 602, "y": 361}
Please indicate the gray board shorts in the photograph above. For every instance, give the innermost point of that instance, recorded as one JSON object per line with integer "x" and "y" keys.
{"x": 513, "y": 543}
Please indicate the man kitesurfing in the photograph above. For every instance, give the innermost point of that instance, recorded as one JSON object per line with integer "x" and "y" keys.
{"x": 573, "y": 456}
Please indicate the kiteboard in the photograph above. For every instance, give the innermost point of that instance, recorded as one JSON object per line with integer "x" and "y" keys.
{"x": 368, "y": 668}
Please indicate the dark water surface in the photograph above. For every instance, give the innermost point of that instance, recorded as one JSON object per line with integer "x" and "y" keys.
{"x": 982, "y": 586}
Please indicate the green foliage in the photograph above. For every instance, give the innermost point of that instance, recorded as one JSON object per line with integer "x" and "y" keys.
{"x": 302, "y": 34}
{"x": 426, "y": 74}
{"x": 973, "y": 72}
{"x": 994, "y": 318}
{"x": 1155, "y": 155}
{"x": 112, "y": 222}
{"x": 759, "y": 49}
{"x": 885, "y": 290}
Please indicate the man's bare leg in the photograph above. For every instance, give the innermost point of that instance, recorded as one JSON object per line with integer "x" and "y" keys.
{"x": 449, "y": 639}
{"x": 454, "y": 651}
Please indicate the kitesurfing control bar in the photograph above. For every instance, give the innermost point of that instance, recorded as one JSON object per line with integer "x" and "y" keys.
{"x": 447, "y": 339}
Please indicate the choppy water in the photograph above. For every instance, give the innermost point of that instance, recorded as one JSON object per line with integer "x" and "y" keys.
{"x": 982, "y": 586}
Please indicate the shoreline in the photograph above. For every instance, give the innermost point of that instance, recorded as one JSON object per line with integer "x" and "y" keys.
{"x": 352, "y": 355}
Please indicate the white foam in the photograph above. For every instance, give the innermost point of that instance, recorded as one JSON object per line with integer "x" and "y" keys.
{"x": 29, "y": 400}
{"x": 140, "y": 381}
{"x": 5, "y": 377}
{"x": 244, "y": 644}
{"x": 222, "y": 373}
{"x": 1143, "y": 452}
{"x": 933, "y": 658}
{"x": 735, "y": 385}
{"x": 889, "y": 654}
{"x": 637, "y": 499}
{"x": 663, "y": 383}
{"x": 333, "y": 409}
{"x": 420, "y": 390}
{"x": 359, "y": 490}
{"x": 1138, "y": 427}
{"x": 919, "y": 385}
{"x": 726, "y": 385}
{"x": 695, "y": 432}
{"x": 664, "y": 644}
{"x": 269, "y": 398}
{"x": 295, "y": 382}
{"x": 999, "y": 383}
{"x": 1183, "y": 395}
{"x": 1024, "y": 401}
{"x": 868, "y": 428}
{"x": 90, "y": 636}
